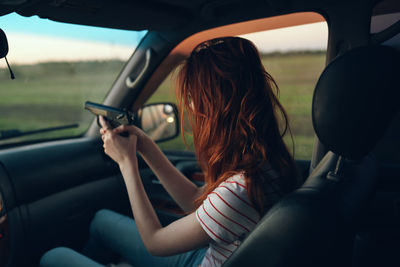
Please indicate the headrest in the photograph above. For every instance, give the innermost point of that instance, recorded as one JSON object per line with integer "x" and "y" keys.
{"x": 356, "y": 98}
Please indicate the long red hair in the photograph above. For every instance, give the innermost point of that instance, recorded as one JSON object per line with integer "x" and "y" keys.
{"x": 233, "y": 109}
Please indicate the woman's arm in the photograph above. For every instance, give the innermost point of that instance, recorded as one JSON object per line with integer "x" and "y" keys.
{"x": 181, "y": 189}
{"x": 182, "y": 235}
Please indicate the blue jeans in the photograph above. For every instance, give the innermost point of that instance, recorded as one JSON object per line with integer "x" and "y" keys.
{"x": 113, "y": 232}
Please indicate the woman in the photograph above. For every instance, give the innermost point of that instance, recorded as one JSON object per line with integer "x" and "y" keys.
{"x": 234, "y": 112}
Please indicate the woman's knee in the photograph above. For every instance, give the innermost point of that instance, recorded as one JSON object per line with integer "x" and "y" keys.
{"x": 101, "y": 220}
{"x": 56, "y": 256}
{"x": 107, "y": 223}
{"x": 66, "y": 257}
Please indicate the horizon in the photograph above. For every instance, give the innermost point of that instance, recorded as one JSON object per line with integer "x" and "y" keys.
{"x": 263, "y": 54}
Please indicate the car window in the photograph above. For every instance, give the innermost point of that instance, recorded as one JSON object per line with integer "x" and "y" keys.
{"x": 295, "y": 57}
{"x": 57, "y": 67}
{"x": 380, "y": 22}
{"x": 295, "y": 60}
{"x": 384, "y": 14}
{"x": 388, "y": 148}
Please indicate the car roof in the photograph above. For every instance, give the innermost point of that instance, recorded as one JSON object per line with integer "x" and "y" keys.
{"x": 164, "y": 14}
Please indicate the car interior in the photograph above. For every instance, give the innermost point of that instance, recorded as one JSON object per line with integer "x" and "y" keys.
{"x": 346, "y": 213}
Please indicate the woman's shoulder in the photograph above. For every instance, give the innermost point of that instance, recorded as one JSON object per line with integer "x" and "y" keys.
{"x": 236, "y": 184}
{"x": 231, "y": 199}
{"x": 236, "y": 180}
{"x": 239, "y": 177}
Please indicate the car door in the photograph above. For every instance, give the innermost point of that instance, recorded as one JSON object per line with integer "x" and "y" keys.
{"x": 54, "y": 177}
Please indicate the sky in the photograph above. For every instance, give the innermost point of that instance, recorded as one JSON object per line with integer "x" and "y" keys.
{"x": 16, "y": 23}
{"x": 312, "y": 36}
{"x": 34, "y": 40}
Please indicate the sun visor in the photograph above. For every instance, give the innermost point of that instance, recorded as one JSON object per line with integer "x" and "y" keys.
{"x": 356, "y": 98}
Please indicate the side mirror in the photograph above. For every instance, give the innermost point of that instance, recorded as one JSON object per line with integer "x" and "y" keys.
{"x": 4, "y": 50}
{"x": 3, "y": 44}
{"x": 159, "y": 121}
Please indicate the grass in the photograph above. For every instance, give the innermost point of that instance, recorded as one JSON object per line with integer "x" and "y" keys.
{"x": 53, "y": 94}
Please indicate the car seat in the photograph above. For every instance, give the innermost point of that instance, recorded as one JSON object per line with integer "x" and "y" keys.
{"x": 354, "y": 102}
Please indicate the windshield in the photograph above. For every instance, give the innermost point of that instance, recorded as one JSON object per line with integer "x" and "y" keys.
{"x": 57, "y": 67}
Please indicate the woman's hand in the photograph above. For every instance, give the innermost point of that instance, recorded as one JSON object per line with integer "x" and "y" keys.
{"x": 121, "y": 149}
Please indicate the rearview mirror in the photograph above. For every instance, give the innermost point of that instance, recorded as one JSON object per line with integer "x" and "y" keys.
{"x": 3, "y": 44}
{"x": 159, "y": 121}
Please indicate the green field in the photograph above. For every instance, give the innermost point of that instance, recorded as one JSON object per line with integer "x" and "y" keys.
{"x": 52, "y": 94}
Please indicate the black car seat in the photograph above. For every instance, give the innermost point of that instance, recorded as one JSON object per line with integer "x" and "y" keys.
{"x": 354, "y": 101}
